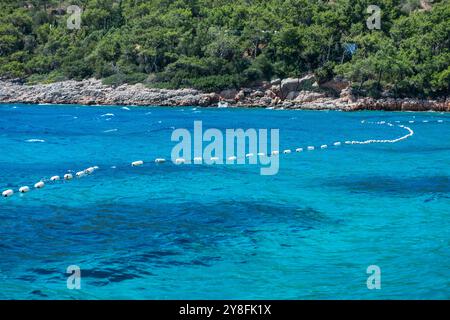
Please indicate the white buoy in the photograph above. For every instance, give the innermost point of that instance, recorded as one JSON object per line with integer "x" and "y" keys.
{"x": 299, "y": 150}
{"x": 80, "y": 174}
{"x": 180, "y": 161}
{"x": 39, "y": 185}
{"x": 24, "y": 189}
{"x": 275, "y": 153}
{"x": 7, "y": 193}
{"x": 55, "y": 178}
{"x": 137, "y": 163}
{"x": 107, "y": 115}
{"x": 337, "y": 144}
{"x": 248, "y": 155}
{"x": 68, "y": 176}
{"x": 411, "y": 121}
{"x": 287, "y": 151}
{"x": 324, "y": 146}
{"x": 310, "y": 148}
{"x": 232, "y": 158}
{"x": 440, "y": 121}
{"x": 160, "y": 160}
{"x": 89, "y": 170}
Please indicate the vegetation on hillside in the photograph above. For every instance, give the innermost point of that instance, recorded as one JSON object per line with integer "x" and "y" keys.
{"x": 218, "y": 44}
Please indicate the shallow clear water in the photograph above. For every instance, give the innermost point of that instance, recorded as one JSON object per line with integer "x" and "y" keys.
{"x": 223, "y": 232}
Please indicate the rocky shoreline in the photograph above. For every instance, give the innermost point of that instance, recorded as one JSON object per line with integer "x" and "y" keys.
{"x": 302, "y": 93}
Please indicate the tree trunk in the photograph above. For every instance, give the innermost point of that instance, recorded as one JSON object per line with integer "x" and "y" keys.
{"x": 361, "y": 83}
{"x": 379, "y": 79}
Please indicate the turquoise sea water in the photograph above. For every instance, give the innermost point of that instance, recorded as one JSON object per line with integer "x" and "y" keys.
{"x": 223, "y": 232}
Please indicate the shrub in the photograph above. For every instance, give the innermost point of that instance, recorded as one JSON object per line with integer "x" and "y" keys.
{"x": 120, "y": 78}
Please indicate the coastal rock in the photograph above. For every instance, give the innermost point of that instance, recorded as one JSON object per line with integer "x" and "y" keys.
{"x": 207, "y": 100}
{"x": 296, "y": 84}
{"x": 406, "y": 104}
{"x": 276, "y": 90}
{"x": 270, "y": 94}
{"x": 93, "y": 92}
{"x": 228, "y": 94}
{"x": 240, "y": 95}
{"x": 309, "y": 96}
{"x": 337, "y": 84}
{"x": 265, "y": 101}
{"x": 292, "y": 95}
{"x": 346, "y": 95}
{"x": 265, "y": 85}
{"x": 275, "y": 101}
{"x": 275, "y": 82}
{"x": 257, "y": 94}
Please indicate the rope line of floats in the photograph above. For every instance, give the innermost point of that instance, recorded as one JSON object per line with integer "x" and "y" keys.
{"x": 198, "y": 160}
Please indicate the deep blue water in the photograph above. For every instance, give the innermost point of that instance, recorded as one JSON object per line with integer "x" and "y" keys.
{"x": 223, "y": 232}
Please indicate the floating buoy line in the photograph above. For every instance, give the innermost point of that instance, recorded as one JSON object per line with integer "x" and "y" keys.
{"x": 41, "y": 184}
{"x": 198, "y": 160}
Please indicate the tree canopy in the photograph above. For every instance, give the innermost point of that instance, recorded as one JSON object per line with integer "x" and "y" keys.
{"x": 218, "y": 44}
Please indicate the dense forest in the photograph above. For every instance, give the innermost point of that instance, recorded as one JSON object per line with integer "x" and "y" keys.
{"x": 218, "y": 44}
